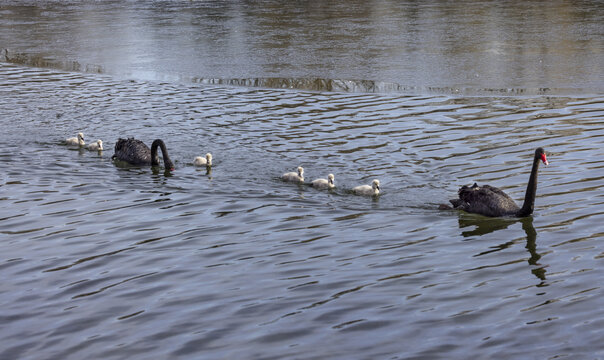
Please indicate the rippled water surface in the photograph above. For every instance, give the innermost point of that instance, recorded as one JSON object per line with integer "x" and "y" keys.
{"x": 102, "y": 261}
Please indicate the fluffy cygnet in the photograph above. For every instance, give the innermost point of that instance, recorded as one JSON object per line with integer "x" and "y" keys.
{"x": 324, "y": 183}
{"x": 294, "y": 177}
{"x": 201, "y": 161}
{"x": 79, "y": 140}
{"x": 374, "y": 189}
{"x": 96, "y": 146}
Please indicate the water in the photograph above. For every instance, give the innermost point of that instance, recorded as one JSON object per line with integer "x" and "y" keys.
{"x": 100, "y": 261}
{"x": 459, "y": 47}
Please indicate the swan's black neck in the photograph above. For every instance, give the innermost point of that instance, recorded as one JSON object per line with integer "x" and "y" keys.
{"x": 531, "y": 189}
{"x": 155, "y": 159}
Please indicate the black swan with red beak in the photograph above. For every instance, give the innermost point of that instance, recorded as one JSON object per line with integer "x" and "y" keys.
{"x": 136, "y": 152}
{"x": 491, "y": 201}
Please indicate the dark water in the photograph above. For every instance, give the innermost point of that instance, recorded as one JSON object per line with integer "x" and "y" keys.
{"x": 100, "y": 261}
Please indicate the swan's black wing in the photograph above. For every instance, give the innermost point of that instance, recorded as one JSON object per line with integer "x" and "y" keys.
{"x": 486, "y": 200}
{"x": 132, "y": 151}
{"x": 496, "y": 190}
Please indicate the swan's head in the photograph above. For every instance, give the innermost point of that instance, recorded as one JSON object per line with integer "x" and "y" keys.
{"x": 300, "y": 171}
{"x": 540, "y": 153}
{"x": 80, "y": 136}
{"x": 99, "y": 142}
{"x": 209, "y": 159}
{"x": 376, "y": 185}
{"x": 168, "y": 164}
{"x": 330, "y": 179}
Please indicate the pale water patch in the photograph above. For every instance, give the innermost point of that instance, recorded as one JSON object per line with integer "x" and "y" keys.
{"x": 461, "y": 47}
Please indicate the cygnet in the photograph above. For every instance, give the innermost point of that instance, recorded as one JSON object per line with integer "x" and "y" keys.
{"x": 78, "y": 141}
{"x": 374, "y": 189}
{"x": 324, "y": 183}
{"x": 95, "y": 146}
{"x": 294, "y": 177}
{"x": 201, "y": 161}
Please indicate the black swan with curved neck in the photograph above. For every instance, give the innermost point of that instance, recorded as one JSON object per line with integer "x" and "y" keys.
{"x": 137, "y": 153}
{"x": 491, "y": 201}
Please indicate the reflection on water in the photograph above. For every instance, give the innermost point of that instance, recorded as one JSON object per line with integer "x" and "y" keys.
{"x": 102, "y": 261}
{"x": 237, "y": 263}
{"x": 485, "y": 225}
{"x": 313, "y": 84}
{"x": 531, "y": 245}
{"x": 446, "y": 47}
{"x": 39, "y": 60}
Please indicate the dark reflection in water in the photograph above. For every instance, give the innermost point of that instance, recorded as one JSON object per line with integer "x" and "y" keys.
{"x": 369, "y": 86}
{"x": 155, "y": 170}
{"x": 159, "y": 170}
{"x": 100, "y": 261}
{"x": 238, "y": 264}
{"x": 39, "y": 60}
{"x": 483, "y": 225}
{"x": 531, "y": 246}
{"x": 207, "y": 170}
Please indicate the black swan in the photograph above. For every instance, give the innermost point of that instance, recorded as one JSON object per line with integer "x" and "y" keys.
{"x": 491, "y": 201}
{"x": 137, "y": 153}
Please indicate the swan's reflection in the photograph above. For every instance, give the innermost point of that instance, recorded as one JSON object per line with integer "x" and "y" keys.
{"x": 156, "y": 170}
{"x": 208, "y": 170}
{"x": 531, "y": 245}
{"x": 483, "y": 225}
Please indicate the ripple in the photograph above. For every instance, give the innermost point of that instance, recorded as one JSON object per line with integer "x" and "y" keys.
{"x": 216, "y": 262}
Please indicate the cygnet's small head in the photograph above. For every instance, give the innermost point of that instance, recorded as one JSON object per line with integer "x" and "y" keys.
{"x": 300, "y": 171}
{"x": 330, "y": 179}
{"x": 375, "y": 184}
{"x": 99, "y": 142}
{"x": 80, "y": 136}
{"x": 209, "y": 159}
